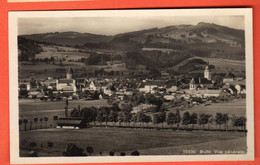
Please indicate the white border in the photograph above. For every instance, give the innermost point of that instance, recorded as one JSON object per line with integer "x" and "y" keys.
{"x": 13, "y": 79}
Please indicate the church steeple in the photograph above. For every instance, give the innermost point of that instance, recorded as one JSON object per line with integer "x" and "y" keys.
{"x": 69, "y": 73}
{"x": 207, "y": 73}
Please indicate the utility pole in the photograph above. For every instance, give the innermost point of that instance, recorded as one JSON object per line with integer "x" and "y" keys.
{"x": 66, "y": 107}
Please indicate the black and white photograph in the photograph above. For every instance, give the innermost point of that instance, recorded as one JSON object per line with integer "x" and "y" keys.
{"x": 131, "y": 85}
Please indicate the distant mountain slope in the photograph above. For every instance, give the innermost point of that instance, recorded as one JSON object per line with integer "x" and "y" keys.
{"x": 172, "y": 42}
{"x": 68, "y": 38}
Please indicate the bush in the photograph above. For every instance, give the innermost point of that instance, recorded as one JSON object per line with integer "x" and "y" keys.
{"x": 33, "y": 144}
{"x": 50, "y": 144}
{"x": 135, "y": 153}
{"x": 122, "y": 154}
{"x": 90, "y": 150}
{"x": 111, "y": 153}
{"x": 73, "y": 150}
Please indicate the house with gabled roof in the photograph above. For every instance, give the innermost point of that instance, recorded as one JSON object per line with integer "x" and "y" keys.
{"x": 197, "y": 83}
{"x": 35, "y": 95}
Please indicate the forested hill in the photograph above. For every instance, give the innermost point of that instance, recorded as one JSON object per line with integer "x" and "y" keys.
{"x": 203, "y": 39}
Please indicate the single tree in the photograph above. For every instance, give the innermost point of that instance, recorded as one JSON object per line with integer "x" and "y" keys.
{"x": 193, "y": 119}
{"x": 147, "y": 119}
{"x": 113, "y": 116}
{"x": 94, "y": 114}
{"x": 20, "y": 123}
{"x": 203, "y": 119}
{"x": 211, "y": 121}
{"x": 225, "y": 120}
{"x": 31, "y": 125}
{"x": 178, "y": 118}
{"x": 140, "y": 118}
{"x": 162, "y": 117}
{"x": 134, "y": 119}
{"x": 135, "y": 153}
{"x": 111, "y": 153}
{"x": 50, "y": 144}
{"x": 55, "y": 118}
{"x": 46, "y": 120}
{"x": 35, "y": 121}
{"x": 171, "y": 119}
{"x": 156, "y": 119}
{"x": 186, "y": 119}
{"x": 41, "y": 119}
{"x": 25, "y": 121}
{"x": 32, "y": 144}
{"x": 90, "y": 150}
{"x": 122, "y": 154}
{"x": 219, "y": 119}
{"x": 100, "y": 117}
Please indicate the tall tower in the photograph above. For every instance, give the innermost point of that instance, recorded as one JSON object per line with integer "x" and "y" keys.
{"x": 69, "y": 73}
{"x": 207, "y": 73}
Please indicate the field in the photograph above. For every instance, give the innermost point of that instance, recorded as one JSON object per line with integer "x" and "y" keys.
{"x": 147, "y": 142}
{"x": 29, "y": 109}
{"x": 236, "y": 107}
{"x": 59, "y": 52}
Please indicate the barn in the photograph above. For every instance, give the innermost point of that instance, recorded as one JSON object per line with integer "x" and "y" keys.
{"x": 71, "y": 123}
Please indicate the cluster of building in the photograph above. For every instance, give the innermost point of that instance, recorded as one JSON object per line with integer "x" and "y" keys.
{"x": 117, "y": 88}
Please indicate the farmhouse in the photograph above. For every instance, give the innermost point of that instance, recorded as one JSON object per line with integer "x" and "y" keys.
{"x": 35, "y": 95}
{"x": 148, "y": 88}
{"x": 168, "y": 97}
{"x": 228, "y": 80}
{"x": 210, "y": 93}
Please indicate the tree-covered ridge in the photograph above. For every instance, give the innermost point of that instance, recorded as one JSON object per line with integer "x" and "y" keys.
{"x": 28, "y": 49}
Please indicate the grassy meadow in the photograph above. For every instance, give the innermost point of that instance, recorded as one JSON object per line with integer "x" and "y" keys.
{"x": 147, "y": 142}
{"x": 30, "y": 109}
{"x": 235, "y": 107}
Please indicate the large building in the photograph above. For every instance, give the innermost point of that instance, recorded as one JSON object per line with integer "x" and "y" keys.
{"x": 68, "y": 84}
{"x": 200, "y": 83}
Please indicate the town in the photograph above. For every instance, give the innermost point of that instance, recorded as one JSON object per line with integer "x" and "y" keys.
{"x": 149, "y": 92}
{"x": 123, "y": 90}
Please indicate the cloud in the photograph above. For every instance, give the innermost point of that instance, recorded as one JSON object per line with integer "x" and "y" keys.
{"x": 116, "y": 25}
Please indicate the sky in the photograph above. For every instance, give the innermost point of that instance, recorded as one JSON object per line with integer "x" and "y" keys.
{"x": 117, "y": 25}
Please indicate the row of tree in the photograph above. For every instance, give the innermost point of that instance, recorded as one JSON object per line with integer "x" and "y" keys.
{"x": 74, "y": 150}
{"x": 116, "y": 115}
{"x": 124, "y": 115}
{"x": 35, "y": 121}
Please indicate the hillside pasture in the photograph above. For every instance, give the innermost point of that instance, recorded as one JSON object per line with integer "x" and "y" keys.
{"x": 221, "y": 65}
{"x": 58, "y": 53}
{"x": 225, "y": 65}
{"x": 42, "y": 70}
{"x": 147, "y": 142}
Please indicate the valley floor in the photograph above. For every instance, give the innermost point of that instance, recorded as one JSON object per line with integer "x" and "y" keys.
{"x": 147, "y": 142}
